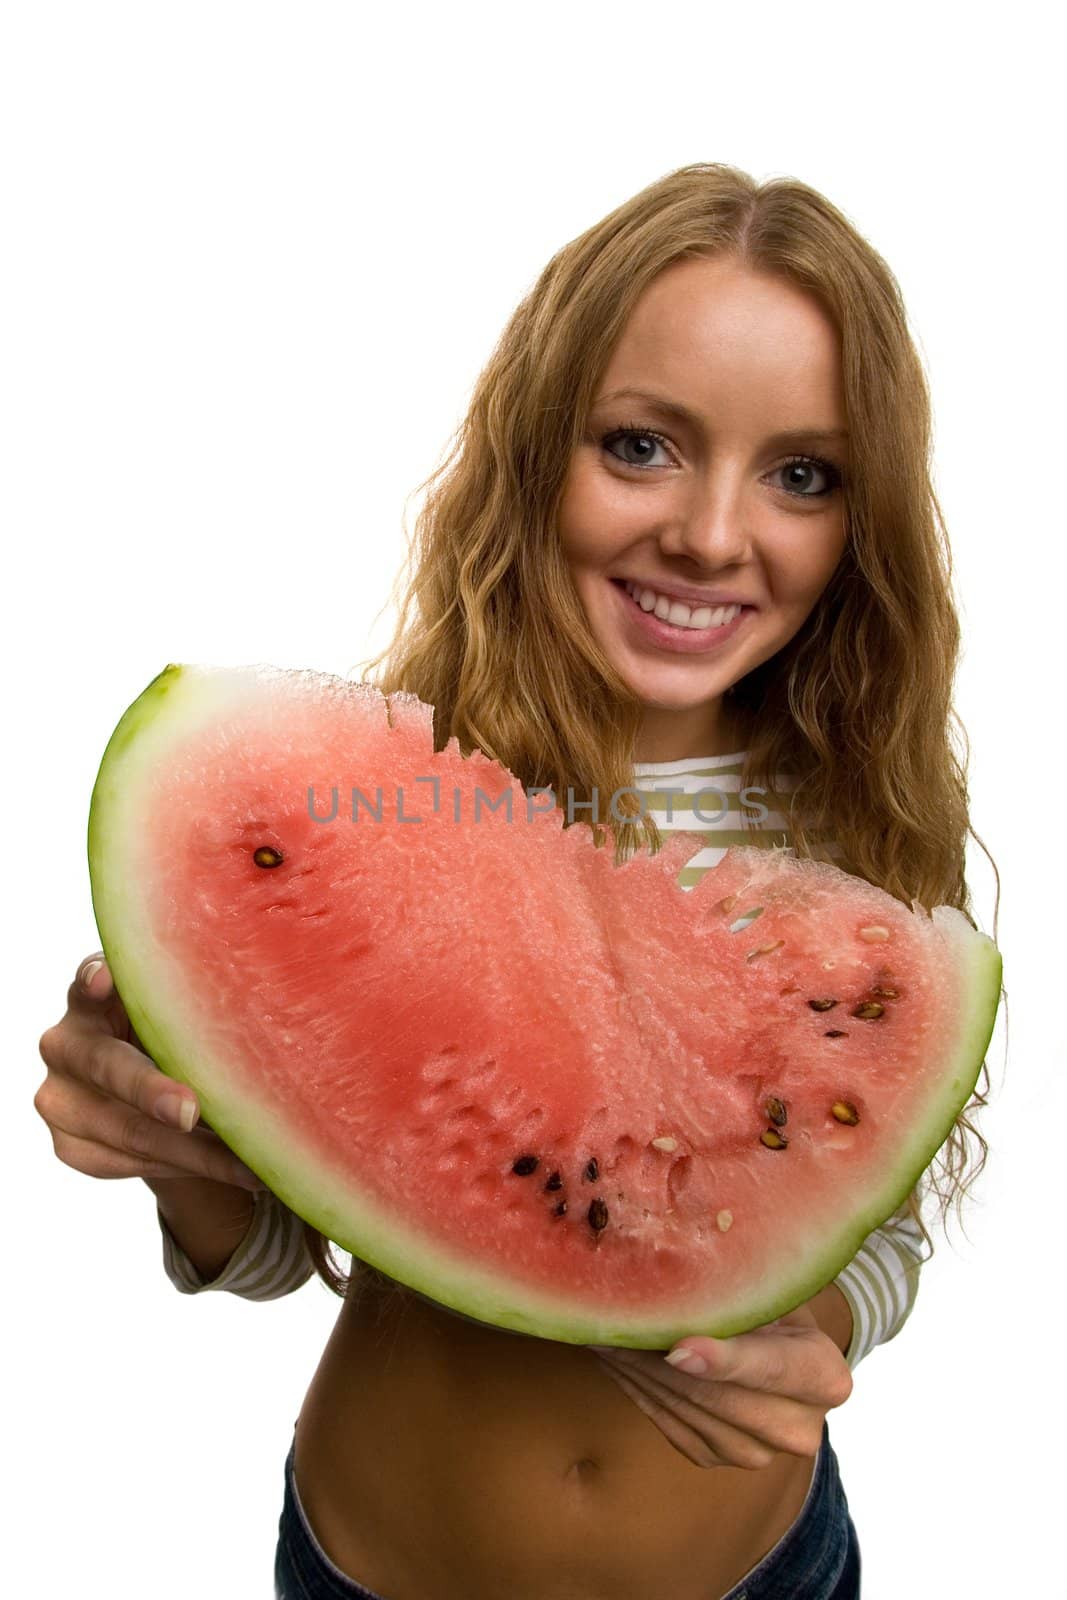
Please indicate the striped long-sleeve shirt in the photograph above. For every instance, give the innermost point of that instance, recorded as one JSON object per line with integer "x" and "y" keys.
{"x": 703, "y": 796}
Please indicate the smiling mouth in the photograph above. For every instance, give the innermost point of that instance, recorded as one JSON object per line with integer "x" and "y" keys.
{"x": 678, "y": 616}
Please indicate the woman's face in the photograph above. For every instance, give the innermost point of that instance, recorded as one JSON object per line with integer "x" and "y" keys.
{"x": 712, "y": 506}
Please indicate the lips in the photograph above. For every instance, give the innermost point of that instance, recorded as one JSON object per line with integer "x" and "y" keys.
{"x": 689, "y": 597}
{"x": 666, "y": 636}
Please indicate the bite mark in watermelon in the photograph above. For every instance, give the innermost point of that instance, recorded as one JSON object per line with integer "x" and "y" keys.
{"x": 559, "y": 1096}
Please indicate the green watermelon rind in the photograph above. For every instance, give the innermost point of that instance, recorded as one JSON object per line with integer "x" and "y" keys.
{"x": 351, "y": 1218}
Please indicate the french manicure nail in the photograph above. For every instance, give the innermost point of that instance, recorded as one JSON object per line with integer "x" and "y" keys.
{"x": 687, "y": 1361}
{"x": 178, "y": 1110}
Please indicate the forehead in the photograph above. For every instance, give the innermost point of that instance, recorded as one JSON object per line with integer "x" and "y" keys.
{"x": 714, "y": 332}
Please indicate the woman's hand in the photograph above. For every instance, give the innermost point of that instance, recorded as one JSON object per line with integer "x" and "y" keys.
{"x": 764, "y": 1392}
{"x": 110, "y": 1111}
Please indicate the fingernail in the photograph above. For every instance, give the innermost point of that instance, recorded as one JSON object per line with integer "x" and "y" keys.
{"x": 687, "y": 1361}
{"x": 90, "y": 973}
{"x": 178, "y": 1110}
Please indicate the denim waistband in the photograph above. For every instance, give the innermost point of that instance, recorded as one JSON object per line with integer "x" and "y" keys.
{"x": 817, "y": 1557}
{"x": 302, "y": 1569}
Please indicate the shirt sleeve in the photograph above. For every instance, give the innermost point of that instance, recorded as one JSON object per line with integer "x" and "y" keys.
{"x": 272, "y": 1259}
{"x": 880, "y": 1284}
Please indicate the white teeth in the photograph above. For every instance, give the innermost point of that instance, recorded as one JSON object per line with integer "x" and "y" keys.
{"x": 680, "y": 614}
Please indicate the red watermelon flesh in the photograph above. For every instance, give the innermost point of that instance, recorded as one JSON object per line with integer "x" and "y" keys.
{"x": 556, "y": 1095}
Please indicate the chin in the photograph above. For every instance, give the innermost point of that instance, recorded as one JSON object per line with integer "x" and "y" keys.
{"x": 665, "y": 698}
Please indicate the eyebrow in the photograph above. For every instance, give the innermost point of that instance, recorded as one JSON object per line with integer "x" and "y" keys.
{"x": 672, "y": 408}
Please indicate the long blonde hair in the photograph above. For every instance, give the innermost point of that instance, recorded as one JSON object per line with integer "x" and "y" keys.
{"x": 856, "y": 707}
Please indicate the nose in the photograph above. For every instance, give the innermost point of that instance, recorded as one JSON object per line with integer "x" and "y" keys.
{"x": 711, "y": 526}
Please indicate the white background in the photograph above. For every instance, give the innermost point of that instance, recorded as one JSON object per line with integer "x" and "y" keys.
{"x": 254, "y": 257}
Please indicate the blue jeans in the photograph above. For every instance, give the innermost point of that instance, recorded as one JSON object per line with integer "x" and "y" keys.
{"x": 818, "y": 1558}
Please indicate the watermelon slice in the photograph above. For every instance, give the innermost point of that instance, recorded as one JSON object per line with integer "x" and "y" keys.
{"x": 559, "y": 1096}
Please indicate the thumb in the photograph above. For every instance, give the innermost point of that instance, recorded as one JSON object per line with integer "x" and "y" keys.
{"x": 698, "y": 1355}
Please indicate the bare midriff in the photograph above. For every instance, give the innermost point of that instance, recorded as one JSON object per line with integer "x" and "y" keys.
{"x": 441, "y": 1459}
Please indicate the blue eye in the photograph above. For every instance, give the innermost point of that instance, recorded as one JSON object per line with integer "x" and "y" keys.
{"x": 808, "y": 464}
{"x": 632, "y": 431}
{"x": 812, "y": 464}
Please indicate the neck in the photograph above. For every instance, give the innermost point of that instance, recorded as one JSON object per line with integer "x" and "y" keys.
{"x": 675, "y": 736}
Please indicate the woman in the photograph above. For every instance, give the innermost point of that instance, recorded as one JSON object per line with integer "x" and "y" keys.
{"x": 709, "y": 400}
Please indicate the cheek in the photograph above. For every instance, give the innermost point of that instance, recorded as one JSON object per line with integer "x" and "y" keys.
{"x": 804, "y": 566}
{"x": 583, "y": 520}
{"x": 597, "y": 519}
{"x": 569, "y": 519}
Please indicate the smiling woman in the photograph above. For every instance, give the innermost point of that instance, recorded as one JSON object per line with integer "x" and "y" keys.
{"x": 687, "y": 537}
{"x": 743, "y": 367}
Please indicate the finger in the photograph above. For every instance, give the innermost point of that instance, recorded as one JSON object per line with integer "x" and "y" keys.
{"x": 93, "y": 999}
{"x": 797, "y": 1362}
{"x": 717, "y": 1444}
{"x": 75, "y": 1108}
{"x": 777, "y": 1423}
{"x": 146, "y": 1153}
{"x": 93, "y": 979}
{"x": 69, "y": 1104}
{"x": 122, "y": 1071}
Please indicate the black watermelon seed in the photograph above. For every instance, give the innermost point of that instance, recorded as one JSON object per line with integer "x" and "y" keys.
{"x": 597, "y": 1215}
{"x": 592, "y": 1171}
{"x": 775, "y": 1109}
{"x": 267, "y": 856}
{"x": 560, "y": 1210}
{"x": 774, "y": 1140}
{"x": 526, "y": 1164}
{"x": 555, "y": 1182}
{"x": 835, "y": 1033}
{"x": 869, "y": 1010}
{"x": 822, "y": 1005}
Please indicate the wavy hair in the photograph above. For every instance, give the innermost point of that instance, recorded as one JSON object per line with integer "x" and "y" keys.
{"x": 857, "y": 707}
